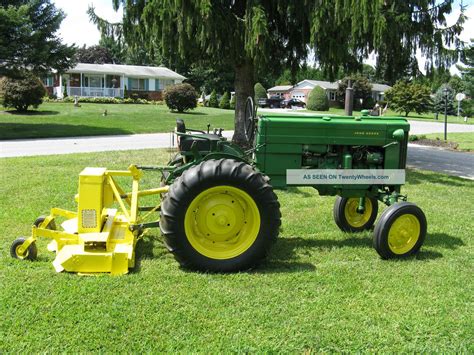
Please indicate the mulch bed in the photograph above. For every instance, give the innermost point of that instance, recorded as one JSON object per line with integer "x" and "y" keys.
{"x": 437, "y": 143}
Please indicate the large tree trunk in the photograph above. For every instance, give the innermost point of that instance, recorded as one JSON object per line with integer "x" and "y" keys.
{"x": 244, "y": 82}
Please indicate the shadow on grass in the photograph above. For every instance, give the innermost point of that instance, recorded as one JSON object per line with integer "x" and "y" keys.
{"x": 416, "y": 177}
{"x": 302, "y": 193}
{"x": 32, "y": 113}
{"x": 443, "y": 240}
{"x": 10, "y": 131}
{"x": 143, "y": 250}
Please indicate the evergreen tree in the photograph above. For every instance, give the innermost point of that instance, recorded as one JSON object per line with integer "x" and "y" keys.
{"x": 225, "y": 101}
{"x": 467, "y": 69}
{"x": 213, "y": 102}
{"x": 405, "y": 97}
{"x": 249, "y": 35}
{"x": 94, "y": 55}
{"x": 260, "y": 92}
{"x": 28, "y": 38}
{"x": 445, "y": 94}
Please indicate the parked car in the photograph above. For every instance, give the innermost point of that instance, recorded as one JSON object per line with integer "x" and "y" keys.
{"x": 272, "y": 102}
{"x": 292, "y": 103}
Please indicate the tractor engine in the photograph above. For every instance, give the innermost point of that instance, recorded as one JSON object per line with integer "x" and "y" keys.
{"x": 341, "y": 157}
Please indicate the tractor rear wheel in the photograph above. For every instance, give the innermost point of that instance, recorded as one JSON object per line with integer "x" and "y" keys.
{"x": 349, "y": 219}
{"x": 400, "y": 231}
{"x": 220, "y": 216}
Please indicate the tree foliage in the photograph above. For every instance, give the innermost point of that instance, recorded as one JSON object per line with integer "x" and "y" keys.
{"x": 21, "y": 92}
{"x": 260, "y": 92}
{"x": 225, "y": 101}
{"x": 248, "y": 35}
{"x": 213, "y": 102}
{"x": 28, "y": 38}
{"x": 317, "y": 100}
{"x": 362, "y": 90}
{"x": 94, "y": 55}
{"x": 406, "y": 97}
{"x": 444, "y": 95}
{"x": 181, "y": 97}
{"x": 467, "y": 69}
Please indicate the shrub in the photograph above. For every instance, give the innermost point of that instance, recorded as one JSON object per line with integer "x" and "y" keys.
{"x": 181, "y": 97}
{"x": 260, "y": 92}
{"x": 225, "y": 101}
{"x": 20, "y": 93}
{"x": 232, "y": 103}
{"x": 213, "y": 99}
{"x": 317, "y": 100}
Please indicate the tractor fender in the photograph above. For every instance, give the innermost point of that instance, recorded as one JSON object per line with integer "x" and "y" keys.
{"x": 220, "y": 155}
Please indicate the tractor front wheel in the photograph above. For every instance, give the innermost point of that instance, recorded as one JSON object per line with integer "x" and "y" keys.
{"x": 348, "y": 217}
{"x": 220, "y": 216}
{"x": 29, "y": 254}
{"x": 400, "y": 231}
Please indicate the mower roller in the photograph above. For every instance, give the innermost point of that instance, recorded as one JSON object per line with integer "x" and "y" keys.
{"x": 217, "y": 208}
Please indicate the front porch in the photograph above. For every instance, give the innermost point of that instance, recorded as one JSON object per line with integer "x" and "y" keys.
{"x": 90, "y": 85}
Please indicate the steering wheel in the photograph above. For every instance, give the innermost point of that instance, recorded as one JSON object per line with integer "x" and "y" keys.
{"x": 250, "y": 119}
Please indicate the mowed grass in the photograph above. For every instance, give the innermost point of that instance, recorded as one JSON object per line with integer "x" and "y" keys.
{"x": 65, "y": 120}
{"x": 319, "y": 290}
{"x": 465, "y": 141}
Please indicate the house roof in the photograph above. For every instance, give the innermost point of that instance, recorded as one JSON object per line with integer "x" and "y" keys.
{"x": 334, "y": 86}
{"x": 281, "y": 88}
{"x": 127, "y": 70}
{"x": 380, "y": 87}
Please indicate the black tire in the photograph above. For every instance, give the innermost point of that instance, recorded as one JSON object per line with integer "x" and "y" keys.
{"x": 213, "y": 174}
{"x": 31, "y": 252}
{"x": 343, "y": 204}
{"x": 40, "y": 219}
{"x": 381, "y": 233}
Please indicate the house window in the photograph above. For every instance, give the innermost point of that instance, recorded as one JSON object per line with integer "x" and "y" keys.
{"x": 332, "y": 96}
{"x": 48, "y": 81}
{"x": 137, "y": 84}
{"x": 161, "y": 84}
{"x": 93, "y": 81}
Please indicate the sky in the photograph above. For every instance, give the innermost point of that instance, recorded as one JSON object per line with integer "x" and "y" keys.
{"x": 77, "y": 29}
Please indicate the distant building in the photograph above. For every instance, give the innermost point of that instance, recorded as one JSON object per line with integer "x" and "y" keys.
{"x": 303, "y": 88}
{"x": 111, "y": 80}
{"x": 283, "y": 91}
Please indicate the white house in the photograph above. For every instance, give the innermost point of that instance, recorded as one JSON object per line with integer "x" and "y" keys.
{"x": 111, "y": 80}
{"x": 303, "y": 88}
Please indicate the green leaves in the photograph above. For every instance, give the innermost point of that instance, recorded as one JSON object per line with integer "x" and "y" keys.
{"x": 405, "y": 97}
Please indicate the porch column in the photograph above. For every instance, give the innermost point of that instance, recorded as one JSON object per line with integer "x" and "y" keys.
{"x": 60, "y": 93}
{"x": 80, "y": 85}
{"x": 103, "y": 87}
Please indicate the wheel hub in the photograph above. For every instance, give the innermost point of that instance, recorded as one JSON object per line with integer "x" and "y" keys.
{"x": 222, "y": 222}
{"x": 354, "y": 216}
{"x": 404, "y": 233}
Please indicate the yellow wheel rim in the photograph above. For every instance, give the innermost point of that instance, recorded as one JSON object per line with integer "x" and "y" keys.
{"x": 222, "y": 222}
{"x": 354, "y": 218}
{"x": 404, "y": 233}
{"x": 21, "y": 255}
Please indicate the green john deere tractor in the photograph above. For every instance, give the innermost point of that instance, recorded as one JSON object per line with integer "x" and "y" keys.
{"x": 218, "y": 210}
{"x": 221, "y": 213}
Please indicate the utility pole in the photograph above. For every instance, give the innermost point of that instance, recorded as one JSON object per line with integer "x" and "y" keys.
{"x": 446, "y": 92}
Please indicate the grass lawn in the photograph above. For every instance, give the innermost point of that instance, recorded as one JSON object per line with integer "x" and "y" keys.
{"x": 320, "y": 289}
{"x": 411, "y": 116}
{"x": 65, "y": 120}
{"x": 465, "y": 141}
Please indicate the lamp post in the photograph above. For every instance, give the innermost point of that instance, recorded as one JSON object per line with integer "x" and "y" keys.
{"x": 446, "y": 92}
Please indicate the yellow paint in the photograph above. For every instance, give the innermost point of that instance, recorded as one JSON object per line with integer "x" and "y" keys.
{"x": 403, "y": 234}
{"x": 354, "y": 218}
{"x": 222, "y": 222}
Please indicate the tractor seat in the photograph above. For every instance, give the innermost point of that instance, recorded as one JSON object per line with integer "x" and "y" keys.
{"x": 185, "y": 142}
